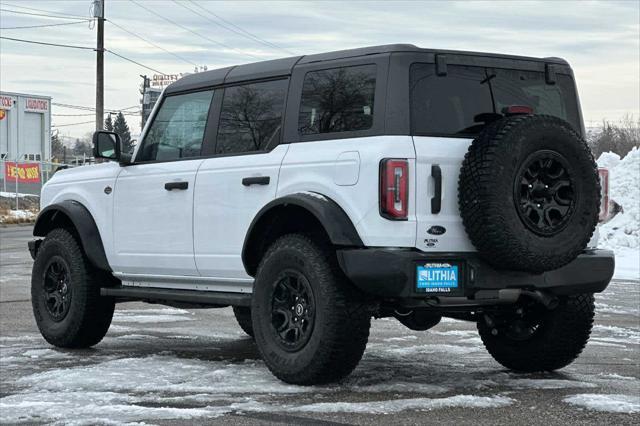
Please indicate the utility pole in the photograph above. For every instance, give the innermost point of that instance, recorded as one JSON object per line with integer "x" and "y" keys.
{"x": 146, "y": 82}
{"x": 98, "y": 12}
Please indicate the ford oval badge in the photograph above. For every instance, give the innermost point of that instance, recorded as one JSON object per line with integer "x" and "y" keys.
{"x": 437, "y": 230}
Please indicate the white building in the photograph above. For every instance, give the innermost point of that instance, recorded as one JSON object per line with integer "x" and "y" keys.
{"x": 25, "y": 127}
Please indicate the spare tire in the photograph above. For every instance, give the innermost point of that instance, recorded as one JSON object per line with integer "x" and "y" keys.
{"x": 529, "y": 193}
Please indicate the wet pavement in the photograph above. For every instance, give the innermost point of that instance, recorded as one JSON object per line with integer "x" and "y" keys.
{"x": 161, "y": 365}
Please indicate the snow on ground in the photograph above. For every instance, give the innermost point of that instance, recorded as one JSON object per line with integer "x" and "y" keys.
{"x": 13, "y": 195}
{"x": 173, "y": 378}
{"x": 152, "y": 316}
{"x": 18, "y": 214}
{"x": 608, "y": 403}
{"x": 622, "y": 233}
{"x": 394, "y": 406}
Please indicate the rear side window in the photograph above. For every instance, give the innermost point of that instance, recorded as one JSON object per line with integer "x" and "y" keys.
{"x": 457, "y": 104}
{"x": 251, "y": 117}
{"x": 178, "y": 128}
{"x": 337, "y": 100}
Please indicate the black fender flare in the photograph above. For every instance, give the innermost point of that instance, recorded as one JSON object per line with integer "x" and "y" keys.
{"x": 84, "y": 224}
{"x": 334, "y": 220}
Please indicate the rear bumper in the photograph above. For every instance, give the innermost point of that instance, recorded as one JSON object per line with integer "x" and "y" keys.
{"x": 391, "y": 273}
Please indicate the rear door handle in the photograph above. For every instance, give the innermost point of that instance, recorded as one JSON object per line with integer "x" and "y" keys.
{"x": 170, "y": 186}
{"x": 256, "y": 180}
{"x": 436, "y": 200}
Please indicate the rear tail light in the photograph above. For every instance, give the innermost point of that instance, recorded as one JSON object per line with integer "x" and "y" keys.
{"x": 394, "y": 189}
{"x": 604, "y": 194}
{"x": 517, "y": 110}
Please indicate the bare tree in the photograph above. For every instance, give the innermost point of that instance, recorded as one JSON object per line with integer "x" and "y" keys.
{"x": 618, "y": 137}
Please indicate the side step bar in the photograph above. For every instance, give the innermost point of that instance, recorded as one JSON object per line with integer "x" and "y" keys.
{"x": 167, "y": 296}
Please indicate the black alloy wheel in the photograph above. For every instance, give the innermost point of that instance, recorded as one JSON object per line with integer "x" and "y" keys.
{"x": 57, "y": 290}
{"x": 292, "y": 310}
{"x": 544, "y": 193}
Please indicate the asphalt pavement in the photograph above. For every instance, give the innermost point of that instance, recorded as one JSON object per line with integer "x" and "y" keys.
{"x": 161, "y": 365}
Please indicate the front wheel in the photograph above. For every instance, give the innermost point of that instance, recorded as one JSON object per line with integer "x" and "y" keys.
{"x": 533, "y": 339}
{"x": 243, "y": 317}
{"x": 310, "y": 325}
{"x": 65, "y": 294}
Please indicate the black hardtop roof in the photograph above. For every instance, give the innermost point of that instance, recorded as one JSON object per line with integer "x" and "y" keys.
{"x": 282, "y": 67}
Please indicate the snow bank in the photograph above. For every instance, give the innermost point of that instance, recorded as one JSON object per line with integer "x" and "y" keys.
{"x": 622, "y": 233}
{"x": 606, "y": 403}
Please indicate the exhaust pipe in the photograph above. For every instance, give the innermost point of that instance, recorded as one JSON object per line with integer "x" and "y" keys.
{"x": 548, "y": 301}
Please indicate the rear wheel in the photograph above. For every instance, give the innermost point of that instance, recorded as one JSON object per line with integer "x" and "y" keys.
{"x": 243, "y": 316}
{"x": 311, "y": 326}
{"x": 65, "y": 294}
{"x": 532, "y": 338}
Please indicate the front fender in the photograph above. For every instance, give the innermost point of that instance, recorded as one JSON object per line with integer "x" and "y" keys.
{"x": 74, "y": 213}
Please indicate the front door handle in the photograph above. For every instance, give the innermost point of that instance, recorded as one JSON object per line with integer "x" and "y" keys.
{"x": 170, "y": 186}
{"x": 256, "y": 180}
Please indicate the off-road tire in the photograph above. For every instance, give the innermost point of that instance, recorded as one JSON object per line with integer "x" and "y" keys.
{"x": 560, "y": 338}
{"x": 89, "y": 315}
{"x": 243, "y": 316}
{"x": 489, "y": 205}
{"x": 342, "y": 318}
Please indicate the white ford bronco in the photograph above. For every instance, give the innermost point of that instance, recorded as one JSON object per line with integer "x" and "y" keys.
{"x": 316, "y": 192}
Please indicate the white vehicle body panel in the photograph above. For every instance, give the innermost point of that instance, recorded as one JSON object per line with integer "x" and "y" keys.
{"x": 448, "y": 153}
{"x": 225, "y": 208}
{"x": 324, "y": 166}
{"x": 86, "y": 185}
{"x": 153, "y": 227}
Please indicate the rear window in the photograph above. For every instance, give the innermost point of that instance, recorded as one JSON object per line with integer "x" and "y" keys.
{"x": 454, "y": 104}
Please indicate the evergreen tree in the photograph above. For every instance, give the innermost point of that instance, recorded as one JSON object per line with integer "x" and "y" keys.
{"x": 57, "y": 148}
{"x": 121, "y": 127}
{"x": 108, "y": 123}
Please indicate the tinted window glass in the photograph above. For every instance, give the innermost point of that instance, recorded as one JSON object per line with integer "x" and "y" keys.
{"x": 337, "y": 100}
{"x": 453, "y": 104}
{"x": 251, "y": 117}
{"x": 178, "y": 128}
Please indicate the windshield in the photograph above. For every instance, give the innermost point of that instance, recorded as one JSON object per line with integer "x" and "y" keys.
{"x": 459, "y": 103}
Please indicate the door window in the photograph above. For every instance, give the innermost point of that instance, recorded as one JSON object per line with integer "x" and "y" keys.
{"x": 337, "y": 100}
{"x": 251, "y": 117}
{"x": 177, "y": 130}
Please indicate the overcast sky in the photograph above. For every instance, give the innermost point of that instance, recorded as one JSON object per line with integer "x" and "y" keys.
{"x": 601, "y": 40}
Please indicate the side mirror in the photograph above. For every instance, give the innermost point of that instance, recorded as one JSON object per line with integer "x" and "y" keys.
{"x": 107, "y": 145}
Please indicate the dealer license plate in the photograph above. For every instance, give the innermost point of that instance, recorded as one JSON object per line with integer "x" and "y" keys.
{"x": 437, "y": 278}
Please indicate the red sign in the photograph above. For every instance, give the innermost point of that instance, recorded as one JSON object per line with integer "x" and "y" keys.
{"x": 23, "y": 173}
{"x": 36, "y": 105}
{"x": 6, "y": 102}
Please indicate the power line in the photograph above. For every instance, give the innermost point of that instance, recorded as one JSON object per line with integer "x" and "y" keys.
{"x": 41, "y": 10}
{"x": 226, "y": 46}
{"x": 47, "y": 44}
{"x": 72, "y": 124}
{"x": 151, "y": 43}
{"x": 83, "y": 48}
{"x": 235, "y": 28}
{"x": 19, "y": 12}
{"x": 86, "y": 108}
{"x": 45, "y": 25}
{"x": 134, "y": 62}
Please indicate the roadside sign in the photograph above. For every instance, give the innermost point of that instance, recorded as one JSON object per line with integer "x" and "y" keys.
{"x": 22, "y": 173}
